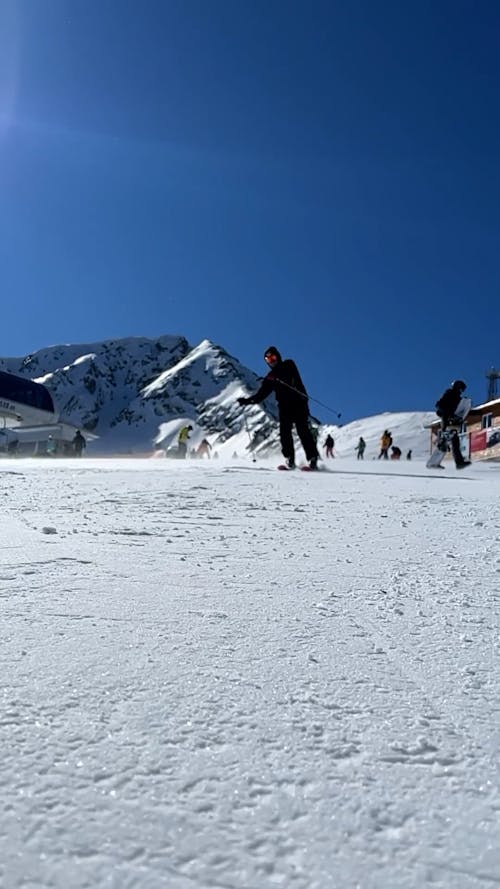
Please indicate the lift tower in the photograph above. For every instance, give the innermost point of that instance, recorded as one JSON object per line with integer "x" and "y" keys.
{"x": 492, "y": 375}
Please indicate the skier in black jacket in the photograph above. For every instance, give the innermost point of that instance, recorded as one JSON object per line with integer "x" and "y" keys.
{"x": 445, "y": 409}
{"x": 284, "y": 380}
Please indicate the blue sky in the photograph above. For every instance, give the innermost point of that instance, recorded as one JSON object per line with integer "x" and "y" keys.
{"x": 323, "y": 176}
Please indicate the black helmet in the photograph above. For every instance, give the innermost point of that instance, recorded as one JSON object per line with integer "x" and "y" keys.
{"x": 459, "y": 384}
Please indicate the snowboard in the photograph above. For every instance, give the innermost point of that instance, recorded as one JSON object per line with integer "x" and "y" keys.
{"x": 442, "y": 444}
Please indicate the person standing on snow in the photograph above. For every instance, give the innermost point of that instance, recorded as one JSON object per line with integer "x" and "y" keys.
{"x": 182, "y": 440}
{"x": 79, "y": 443}
{"x": 329, "y": 446}
{"x": 204, "y": 448}
{"x": 385, "y": 443}
{"x": 446, "y": 408}
{"x": 285, "y": 381}
{"x": 360, "y": 448}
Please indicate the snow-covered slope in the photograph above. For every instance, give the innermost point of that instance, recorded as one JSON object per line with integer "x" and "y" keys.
{"x": 221, "y": 676}
{"x": 136, "y": 393}
{"x": 408, "y": 432}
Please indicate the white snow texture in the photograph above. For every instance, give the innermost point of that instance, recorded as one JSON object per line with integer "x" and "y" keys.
{"x": 219, "y": 675}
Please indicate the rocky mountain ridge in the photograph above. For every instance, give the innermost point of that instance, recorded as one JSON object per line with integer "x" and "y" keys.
{"x": 134, "y": 392}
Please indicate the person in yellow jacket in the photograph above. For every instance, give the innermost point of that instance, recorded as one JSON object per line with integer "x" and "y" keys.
{"x": 385, "y": 443}
{"x": 182, "y": 440}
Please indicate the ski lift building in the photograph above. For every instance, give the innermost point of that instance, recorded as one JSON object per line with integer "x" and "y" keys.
{"x": 29, "y": 416}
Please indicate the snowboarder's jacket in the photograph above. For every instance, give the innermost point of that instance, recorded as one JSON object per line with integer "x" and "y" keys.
{"x": 448, "y": 403}
{"x": 386, "y": 440}
{"x": 184, "y": 434}
{"x": 280, "y": 378}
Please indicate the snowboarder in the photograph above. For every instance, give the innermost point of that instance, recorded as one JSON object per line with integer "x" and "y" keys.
{"x": 385, "y": 443}
{"x": 360, "y": 448}
{"x": 329, "y": 446}
{"x": 452, "y": 408}
{"x": 396, "y": 453}
{"x": 79, "y": 443}
{"x": 284, "y": 380}
{"x": 182, "y": 440}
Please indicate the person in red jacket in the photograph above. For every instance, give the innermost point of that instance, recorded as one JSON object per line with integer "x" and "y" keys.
{"x": 284, "y": 380}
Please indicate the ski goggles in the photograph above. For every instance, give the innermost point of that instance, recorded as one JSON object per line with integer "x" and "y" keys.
{"x": 271, "y": 358}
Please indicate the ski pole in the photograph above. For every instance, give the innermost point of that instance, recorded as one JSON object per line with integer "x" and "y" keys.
{"x": 304, "y": 395}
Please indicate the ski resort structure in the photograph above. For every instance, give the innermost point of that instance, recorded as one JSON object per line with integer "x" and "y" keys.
{"x": 29, "y": 417}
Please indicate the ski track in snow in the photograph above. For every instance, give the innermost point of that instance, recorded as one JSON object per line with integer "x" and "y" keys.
{"x": 216, "y": 677}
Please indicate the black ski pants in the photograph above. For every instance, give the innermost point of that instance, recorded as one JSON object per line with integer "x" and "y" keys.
{"x": 301, "y": 422}
{"x": 451, "y": 436}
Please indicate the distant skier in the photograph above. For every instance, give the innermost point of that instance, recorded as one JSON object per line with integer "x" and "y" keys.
{"x": 79, "y": 443}
{"x": 360, "y": 448}
{"x": 452, "y": 408}
{"x": 204, "y": 448}
{"x": 284, "y": 380}
{"x": 182, "y": 440}
{"x": 329, "y": 446}
{"x": 408, "y": 456}
{"x": 385, "y": 443}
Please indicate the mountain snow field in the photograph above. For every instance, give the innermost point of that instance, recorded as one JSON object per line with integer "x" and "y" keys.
{"x": 219, "y": 676}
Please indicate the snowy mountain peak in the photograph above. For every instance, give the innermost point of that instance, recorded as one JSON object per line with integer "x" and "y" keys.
{"x": 124, "y": 390}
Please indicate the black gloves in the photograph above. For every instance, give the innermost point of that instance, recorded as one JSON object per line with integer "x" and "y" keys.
{"x": 242, "y": 401}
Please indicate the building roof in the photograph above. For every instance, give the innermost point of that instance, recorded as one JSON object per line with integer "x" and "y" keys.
{"x": 487, "y": 404}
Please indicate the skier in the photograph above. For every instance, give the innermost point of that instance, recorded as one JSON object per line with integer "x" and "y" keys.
{"x": 182, "y": 440}
{"x": 385, "y": 443}
{"x": 329, "y": 446}
{"x": 284, "y": 380}
{"x": 79, "y": 443}
{"x": 396, "y": 453}
{"x": 360, "y": 448}
{"x": 452, "y": 413}
{"x": 204, "y": 448}
{"x": 408, "y": 456}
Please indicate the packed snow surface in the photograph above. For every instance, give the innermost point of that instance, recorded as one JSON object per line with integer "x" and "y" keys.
{"x": 218, "y": 675}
